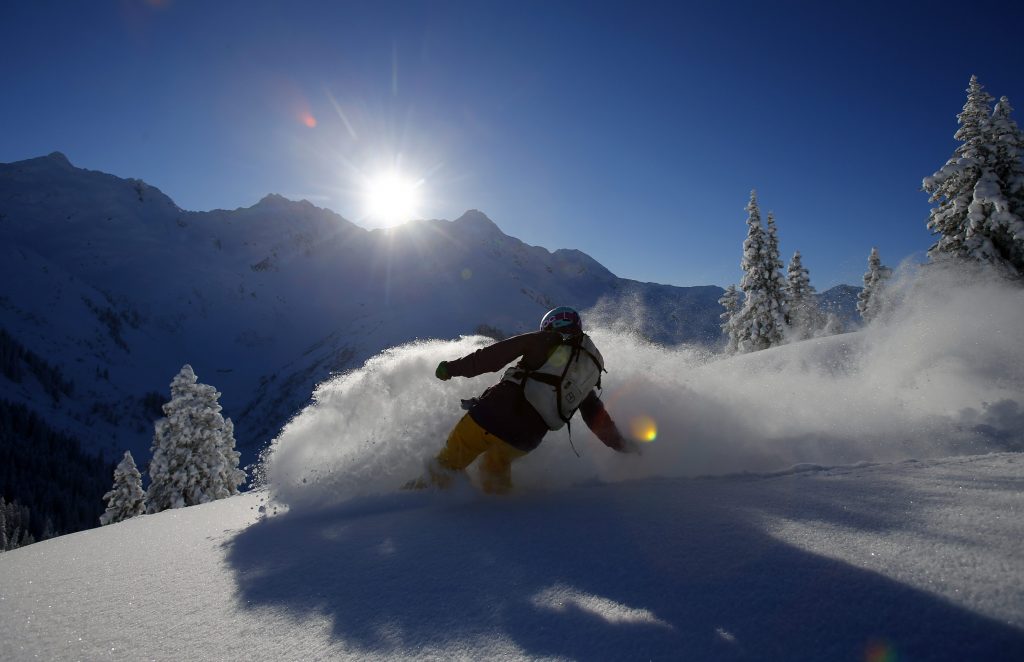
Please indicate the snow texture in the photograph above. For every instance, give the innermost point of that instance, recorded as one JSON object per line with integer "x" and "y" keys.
{"x": 914, "y": 560}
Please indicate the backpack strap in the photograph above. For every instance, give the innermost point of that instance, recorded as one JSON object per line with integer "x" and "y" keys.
{"x": 558, "y": 387}
{"x": 600, "y": 368}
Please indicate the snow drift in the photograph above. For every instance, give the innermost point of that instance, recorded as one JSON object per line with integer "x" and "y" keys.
{"x": 941, "y": 374}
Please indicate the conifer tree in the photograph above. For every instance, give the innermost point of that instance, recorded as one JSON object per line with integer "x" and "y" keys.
{"x": 3, "y": 525}
{"x": 1008, "y": 140}
{"x": 15, "y": 526}
{"x": 868, "y": 301}
{"x": 759, "y": 323}
{"x": 193, "y": 449}
{"x": 730, "y": 300}
{"x": 231, "y": 476}
{"x": 952, "y": 187}
{"x": 777, "y": 282}
{"x": 48, "y": 529}
{"x": 977, "y": 192}
{"x": 126, "y": 499}
{"x": 772, "y": 255}
{"x": 805, "y": 317}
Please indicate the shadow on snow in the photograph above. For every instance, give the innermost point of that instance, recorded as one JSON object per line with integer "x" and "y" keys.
{"x": 410, "y": 571}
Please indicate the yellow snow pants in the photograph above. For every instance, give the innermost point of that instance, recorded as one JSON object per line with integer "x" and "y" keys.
{"x": 466, "y": 442}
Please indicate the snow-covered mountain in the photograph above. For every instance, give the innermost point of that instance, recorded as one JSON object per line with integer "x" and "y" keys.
{"x": 842, "y": 301}
{"x": 115, "y": 288}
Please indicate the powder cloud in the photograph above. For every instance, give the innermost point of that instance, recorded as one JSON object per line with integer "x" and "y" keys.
{"x": 941, "y": 373}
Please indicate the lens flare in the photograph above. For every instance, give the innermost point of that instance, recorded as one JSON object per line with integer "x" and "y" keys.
{"x": 644, "y": 428}
{"x": 308, "y": 119}
{"x": 880, "y": 651}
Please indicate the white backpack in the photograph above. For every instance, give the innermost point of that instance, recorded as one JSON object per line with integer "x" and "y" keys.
{"x": 558, "y": 388}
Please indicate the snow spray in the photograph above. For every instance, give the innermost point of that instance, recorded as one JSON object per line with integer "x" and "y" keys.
{"x": 941, "y": 372}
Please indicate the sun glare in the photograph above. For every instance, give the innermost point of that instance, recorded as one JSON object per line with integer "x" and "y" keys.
{"x": 392, "y": 199}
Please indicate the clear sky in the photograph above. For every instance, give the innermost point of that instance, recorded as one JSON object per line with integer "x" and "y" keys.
{"x": 633, "y": 131}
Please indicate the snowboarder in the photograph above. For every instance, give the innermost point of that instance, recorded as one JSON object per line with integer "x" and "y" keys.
{"x": 557, "y": 374}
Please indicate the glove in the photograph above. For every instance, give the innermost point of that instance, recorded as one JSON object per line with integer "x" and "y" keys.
{"x": 442, "y": 371}
{"x": 630, "y": 447}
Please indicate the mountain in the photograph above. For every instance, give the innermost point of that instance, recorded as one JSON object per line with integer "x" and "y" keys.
{"x": 842, "y": 301}
{"x": 115, "y": 287}
{"x": 913, "y": 560}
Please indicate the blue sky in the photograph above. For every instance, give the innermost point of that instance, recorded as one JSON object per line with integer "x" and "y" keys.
{"x": 632, "y": 131}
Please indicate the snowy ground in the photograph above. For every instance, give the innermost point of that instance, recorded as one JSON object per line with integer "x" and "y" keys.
{"x": 868, "y": 556}
{"x": 904, "y": 561}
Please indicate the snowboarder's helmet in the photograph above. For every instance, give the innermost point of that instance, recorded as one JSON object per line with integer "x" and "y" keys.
{"x": 561, "y": 318}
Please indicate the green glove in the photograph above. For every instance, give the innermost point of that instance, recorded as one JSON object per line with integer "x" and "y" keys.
{"x": 442, "y": 371}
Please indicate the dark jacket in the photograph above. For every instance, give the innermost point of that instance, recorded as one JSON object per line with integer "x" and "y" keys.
{"x": 503, "y": 410}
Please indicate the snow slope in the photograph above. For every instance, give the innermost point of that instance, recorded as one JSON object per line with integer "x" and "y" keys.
{"x": 864, "y": 507}
{"x": 912, "y": 560}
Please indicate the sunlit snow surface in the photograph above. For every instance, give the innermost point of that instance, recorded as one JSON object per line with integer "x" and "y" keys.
{"x": 942, "y": 375}
{"x": 914, "y": 560}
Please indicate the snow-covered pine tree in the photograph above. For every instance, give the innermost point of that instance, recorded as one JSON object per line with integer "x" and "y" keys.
{"x": 952, "y": 187}
{"x": 773, "y": 258}
{"x": 772, "y": 255}
{"x": 730, "y": 300}
{"x": 975, "y": 216}
{"x": 805, "y": 317}
{"x": 190, "y": 460}
{"x": 126, "y": 499}
{"x": 868, "y": 301}
{"x": 1008, "y": 140}
{"x": 760, "y": 322}
{"x": 231, "y": 476}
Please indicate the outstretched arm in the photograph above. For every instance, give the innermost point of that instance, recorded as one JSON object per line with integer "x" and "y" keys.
{"x": 491, "y": 358}
{"x": 601, "y": 424}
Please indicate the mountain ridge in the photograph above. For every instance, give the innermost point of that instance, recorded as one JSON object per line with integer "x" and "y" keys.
{"x": 107, "y": 275}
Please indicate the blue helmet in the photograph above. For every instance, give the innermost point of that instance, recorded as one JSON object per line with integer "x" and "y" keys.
{"x": 561, "y": 318}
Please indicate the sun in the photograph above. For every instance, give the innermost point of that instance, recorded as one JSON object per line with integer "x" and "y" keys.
{"x": 392, "y": 198}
